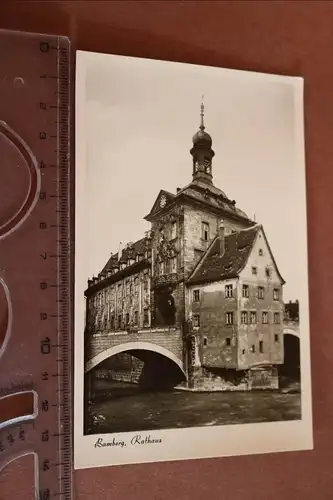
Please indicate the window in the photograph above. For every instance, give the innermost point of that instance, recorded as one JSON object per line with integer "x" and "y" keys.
{"x": 253, "y": 348}
{"x": 245, "y": 290}
{"x": 145, "y": 283}
{"x": 253, "y": 317}
{"x": 276, "y": 294}
{"x": 254, "y": 270}
{"x": 205, "y": 231}
{"x": 264, "y": 318}
{"x": 196, "y": 320}
{"x": 205, "y": 341}
{"x": 228, "y": 341}
{"x": 127, "y": 318}
{"x": 136, "y": 317}
{"x": 173, "y": 265}
{"x": 243, "y": 351}
{"x": 119, "y": 321}
{"x": 276, "y": 338}
{"x": 268, "y": 272}
{"x": 145, "y": 317}
{"x": 112, "y": 322}
{"x": 161, "y": 267}
{"x": 173, "y": 230}
{"x": 196, "y": 295}
{"x": 228, "y": 290}
{"x": 260, "y": 292}
{"x": 244, "y": 317}
{"x": 277, "y": 318}
{"x": 261, "y": 346}
{"x": 131, "y": 288}
{"x": 261, "y": 252}
{"x": 229, "y": 318}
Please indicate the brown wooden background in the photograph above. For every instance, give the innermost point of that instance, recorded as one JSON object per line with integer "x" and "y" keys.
{"x": 286, "y": 37}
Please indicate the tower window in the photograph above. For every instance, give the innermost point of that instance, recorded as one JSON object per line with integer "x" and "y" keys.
{"x": 228, "y": 290}
{"x": 119, "y": 320}
{"x": 173, "y": 230}
{"x": 254, "y": 270}
{"x": 229, "y": 318}
{"x": 196, "y": 295}
{"x": 228, "y": 341}
{"x": 136, "y": 317}
{"x": 244, "y": 317}
{"x": 205, "y": 231}
{"x": 264, "y": 318}
{"x": 261, "y": 346}
{"x": 145, "y": 317}
{"x": 196, "y": 320}
{"x": 174, "y": 265}
{"x": 260, "y": 292}
{"x": 277, "y": 318}
{"x": 245, "y": 290}
{"x": 205, "y": 341}
{"x": 127, "y": 318}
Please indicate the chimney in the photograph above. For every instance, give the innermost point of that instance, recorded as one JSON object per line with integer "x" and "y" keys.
{"x": 222, "y": 237}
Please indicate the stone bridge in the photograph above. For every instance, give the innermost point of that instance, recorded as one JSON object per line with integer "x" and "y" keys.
{"x": 164, "y": 341}
{"x": 291, "y": 328}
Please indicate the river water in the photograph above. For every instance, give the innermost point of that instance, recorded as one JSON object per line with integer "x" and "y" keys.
{"x": 121, "y": 407}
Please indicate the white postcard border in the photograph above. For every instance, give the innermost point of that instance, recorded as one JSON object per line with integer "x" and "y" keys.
{"x": 190, "y": 443}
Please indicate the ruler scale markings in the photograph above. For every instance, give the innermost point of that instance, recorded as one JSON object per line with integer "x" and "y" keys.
{"x": 55, "y": 472}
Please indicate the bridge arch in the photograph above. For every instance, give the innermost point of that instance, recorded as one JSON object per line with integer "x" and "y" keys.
{"x": 290, "y": 330}
{"x": 133, "y": 346}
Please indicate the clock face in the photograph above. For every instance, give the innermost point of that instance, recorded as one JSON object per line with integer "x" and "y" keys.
{"x": 163, "y": 201}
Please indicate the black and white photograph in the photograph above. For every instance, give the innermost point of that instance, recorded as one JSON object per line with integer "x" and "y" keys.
{"x": 191, "y": 271}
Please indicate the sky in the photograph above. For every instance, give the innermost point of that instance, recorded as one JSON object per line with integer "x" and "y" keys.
{"x": 137, "y": 127}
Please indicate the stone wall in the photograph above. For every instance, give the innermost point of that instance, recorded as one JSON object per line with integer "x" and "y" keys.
{"x": 208, "y": 379}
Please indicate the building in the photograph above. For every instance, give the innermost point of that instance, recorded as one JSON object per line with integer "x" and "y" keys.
{"x": 206, "y": 270}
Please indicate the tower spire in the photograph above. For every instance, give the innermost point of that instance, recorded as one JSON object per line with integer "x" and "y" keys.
{"x": 202, "y": 152}
{"x": 202, "y": 112}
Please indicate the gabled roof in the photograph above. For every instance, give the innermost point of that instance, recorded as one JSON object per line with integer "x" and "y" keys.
{"x": 213, "y": 266}
{"x": 238, "y": 245}
{"x": 137, "y": 248}
{"x": 156, "y": 207}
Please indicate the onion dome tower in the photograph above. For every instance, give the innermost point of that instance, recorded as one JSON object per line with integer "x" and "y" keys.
{"x": 202, "y": 153}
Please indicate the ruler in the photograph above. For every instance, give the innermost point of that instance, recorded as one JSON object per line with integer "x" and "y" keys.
{"x": 35, "y": 259}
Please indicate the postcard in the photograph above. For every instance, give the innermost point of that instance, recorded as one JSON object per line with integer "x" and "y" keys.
{"x": 191, "y": 267}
